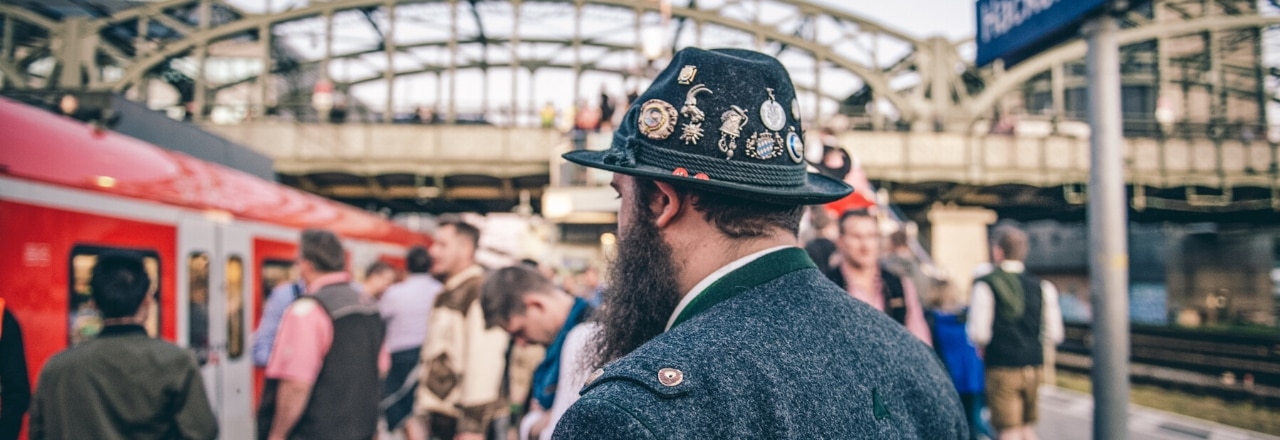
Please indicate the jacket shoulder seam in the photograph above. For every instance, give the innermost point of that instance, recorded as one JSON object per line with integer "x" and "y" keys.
{"x": 648, "y": 430}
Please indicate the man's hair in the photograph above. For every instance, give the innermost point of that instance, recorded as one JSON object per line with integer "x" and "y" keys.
{"x": 733, "y": 216}
{"x": 818, "y": 217}
{"x": 377, "y": 267}
{"x": 323, "y": 250}
{"x": 502, "y": 295}
{"x": 1010, "y": 240}
{"x": 898, "y": 238}
{"x": 464, "y": 229}
{"x": 859, "y": 213}
{"x": 418, "y": 260}
{"x": 119, "y": 283}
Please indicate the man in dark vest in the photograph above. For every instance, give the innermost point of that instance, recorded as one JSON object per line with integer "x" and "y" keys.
{"x": 861, "y": 274}
{"x": 714, "y": 323}
{"x": 322, "y": 379}
{"x": 1011, "y": 314}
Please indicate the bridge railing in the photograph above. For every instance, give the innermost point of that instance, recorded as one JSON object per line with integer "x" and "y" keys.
{"x": 1056, "y": 160}
{"x": 373, "y": 149}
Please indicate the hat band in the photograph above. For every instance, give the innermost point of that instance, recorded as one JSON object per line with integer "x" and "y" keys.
{"x": 746, "y": 173}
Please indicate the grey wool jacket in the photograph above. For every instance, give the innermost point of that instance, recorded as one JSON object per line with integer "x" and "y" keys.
{"x": 772, "y": 350}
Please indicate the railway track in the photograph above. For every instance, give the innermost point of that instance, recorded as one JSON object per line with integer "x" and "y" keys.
{"x": 1234, "y": 358}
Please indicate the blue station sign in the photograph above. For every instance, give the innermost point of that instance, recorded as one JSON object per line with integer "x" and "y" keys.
{"x": 1014, "y": 30}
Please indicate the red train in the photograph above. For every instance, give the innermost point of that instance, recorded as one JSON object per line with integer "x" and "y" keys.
{"x": 217, "y": 241}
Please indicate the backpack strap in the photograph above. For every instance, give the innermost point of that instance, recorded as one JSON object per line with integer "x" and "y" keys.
{"x": 895, "y": 298}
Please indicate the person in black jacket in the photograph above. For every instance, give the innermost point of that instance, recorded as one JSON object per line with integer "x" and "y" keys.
{"x": 15, "y": 387}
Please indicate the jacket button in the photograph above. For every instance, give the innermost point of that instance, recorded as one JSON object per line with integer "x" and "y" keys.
{"x": 670, "y": 377}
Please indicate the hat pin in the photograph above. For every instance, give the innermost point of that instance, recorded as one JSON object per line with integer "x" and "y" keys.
{"x": 731, "y": 123}
{"x": 772, "y": 114}
{"x": 691, "y": 132}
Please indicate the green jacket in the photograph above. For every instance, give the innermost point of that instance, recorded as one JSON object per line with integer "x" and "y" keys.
{"x": 122, "y": 385}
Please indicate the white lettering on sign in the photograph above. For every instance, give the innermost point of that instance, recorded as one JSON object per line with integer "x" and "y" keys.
{"x": 36, "y": 255}
{"x": 1001, "y": 16}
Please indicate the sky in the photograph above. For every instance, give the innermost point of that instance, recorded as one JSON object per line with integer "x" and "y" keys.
{"x": 921, "y": 18}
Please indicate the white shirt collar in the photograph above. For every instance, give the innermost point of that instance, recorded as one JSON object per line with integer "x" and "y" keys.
{"x": 1013, "y": 266}
{"x": 712, "y": 278}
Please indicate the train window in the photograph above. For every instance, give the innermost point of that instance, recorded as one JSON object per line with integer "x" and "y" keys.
{"x": 198, "y": 305}
{"x": 274, "y": 273}
{"x": 235, "y": 307}
{"x": 84, "y": 322}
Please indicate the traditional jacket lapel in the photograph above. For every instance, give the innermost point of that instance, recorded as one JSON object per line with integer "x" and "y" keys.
{"x": 762, "y": 270}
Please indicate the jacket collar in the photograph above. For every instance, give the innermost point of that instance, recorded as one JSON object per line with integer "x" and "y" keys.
{"x": 122, "y": 330}
{"x": 327, "y": 280}
{"x": 461, "y": 277}
{"x": 764, "y": 269}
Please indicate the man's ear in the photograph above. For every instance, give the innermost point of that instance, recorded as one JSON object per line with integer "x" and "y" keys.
{"x": 666, "y": 204}
{"x": 532, "y": 301}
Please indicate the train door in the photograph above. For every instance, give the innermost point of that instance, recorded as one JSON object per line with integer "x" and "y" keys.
{"x": 200, "y": 263}
{"x": 236, "y": 369}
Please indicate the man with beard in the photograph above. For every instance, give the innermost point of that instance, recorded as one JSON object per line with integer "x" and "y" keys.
{"x": 715, "y": 324}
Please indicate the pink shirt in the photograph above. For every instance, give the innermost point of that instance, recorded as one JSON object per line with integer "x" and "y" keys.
{"x": 915, "y": 315}
{"x": 305, "y": 335}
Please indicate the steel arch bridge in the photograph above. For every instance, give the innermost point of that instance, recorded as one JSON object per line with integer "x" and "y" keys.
{"x": 832, "y": 53}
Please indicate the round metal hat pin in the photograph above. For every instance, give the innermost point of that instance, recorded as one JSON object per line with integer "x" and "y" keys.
{"x": 795, "y": 146}
{"x": 772, "y": 114}
{"x": 657, "y": 119}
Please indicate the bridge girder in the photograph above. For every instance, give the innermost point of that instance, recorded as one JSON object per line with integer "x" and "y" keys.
{"x": 939, "y": 95}
{"x": 194, "y": 37}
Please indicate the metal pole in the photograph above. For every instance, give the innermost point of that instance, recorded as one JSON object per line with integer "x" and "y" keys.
{"x": 452, "y": 115}
{"x": 533, "y": 98}
{"x": 264, "y": 77}
{"x": 577, "y": 53}
{"x": 515, "y": 62}
{"x": 1109, "y": 254}
{"x": 202, "y": 57}
{"x": 1058, "y": 90}
{"x": 389, "y": 47}
{"x": 139, "y": 51}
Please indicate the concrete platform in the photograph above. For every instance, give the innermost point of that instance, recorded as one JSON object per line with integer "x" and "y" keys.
{"x": 1066, "y": 414}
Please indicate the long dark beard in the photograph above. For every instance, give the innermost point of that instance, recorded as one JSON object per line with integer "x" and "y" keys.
{"x": 641, "y": 294}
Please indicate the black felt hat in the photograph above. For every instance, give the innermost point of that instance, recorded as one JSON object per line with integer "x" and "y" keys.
{"x": 722, "y": 120}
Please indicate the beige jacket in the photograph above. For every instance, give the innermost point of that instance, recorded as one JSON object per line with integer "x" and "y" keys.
{"x": 462, "y": 361}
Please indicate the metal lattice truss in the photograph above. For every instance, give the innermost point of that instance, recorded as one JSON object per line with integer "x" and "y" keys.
{"x": 836, "y": 57}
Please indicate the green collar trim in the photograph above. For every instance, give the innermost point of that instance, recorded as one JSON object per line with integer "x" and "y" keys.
{"x": 764, "y": 269}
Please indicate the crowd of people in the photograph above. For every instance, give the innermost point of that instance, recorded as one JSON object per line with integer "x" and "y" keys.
{"x": 710, "y": 322}
{"x": 992, "y": 343}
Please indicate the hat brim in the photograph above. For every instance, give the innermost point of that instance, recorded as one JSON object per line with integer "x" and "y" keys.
{"x": 817, "y": 188}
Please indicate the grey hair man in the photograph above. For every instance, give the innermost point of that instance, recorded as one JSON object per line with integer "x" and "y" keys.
{"x": 322, "y": 378}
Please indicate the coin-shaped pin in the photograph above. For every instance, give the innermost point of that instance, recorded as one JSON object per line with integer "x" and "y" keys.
{"x": 795, "y": 147}
{"x": 772, "y": 114}
{"x": 657, "y": 119}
